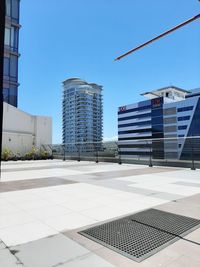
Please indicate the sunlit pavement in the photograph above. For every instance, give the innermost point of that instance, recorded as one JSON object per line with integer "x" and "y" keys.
{"x": 43, "y": 204}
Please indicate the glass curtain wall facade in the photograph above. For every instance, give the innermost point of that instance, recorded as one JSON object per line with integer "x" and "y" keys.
{"x": 82, "y": 115}
{"x": 162, "y": 126}
{"x": 11, "y": 52}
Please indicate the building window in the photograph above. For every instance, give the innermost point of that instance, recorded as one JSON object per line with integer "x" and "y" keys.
{"x": 135, "y": 124}
{"x": 13, "y": 66}
{"x": 15, "y": 9}
{"x": 13, "y": 96}
{"x": 134, "y": 109}
{"x": 182, "y": 127}
{"x": 157, "y": 120}
{"x": 5, "y": 95}
{"x": 157, "y": 112}
{"x": 6, "y": 66}
{"x": 146, "y": 115}
{"x": 185, "y": 109}
{"x": 8, "y": 7}
{"x": 7, "y": 37}
{"x": 157, "y": 128}
{"x": 14, "y": 38}
{"x": 184, "y": 118}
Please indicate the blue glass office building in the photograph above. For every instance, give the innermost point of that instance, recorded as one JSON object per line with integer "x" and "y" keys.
{"x": 161, "y": 125}
{"x": 11, "y": 52}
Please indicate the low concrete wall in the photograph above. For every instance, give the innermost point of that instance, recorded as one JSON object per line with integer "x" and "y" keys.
{"x": 22, "y": 131}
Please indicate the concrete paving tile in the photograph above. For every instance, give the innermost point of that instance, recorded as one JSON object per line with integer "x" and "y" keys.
{"x": 115, "y": 258}
{"x": 2, "y": 245}
{"x": 184, "y": 261}
{"x": 69, "y": 221}
{"x": 29, "y": 167}
{"x": 102, "y": 213}
{"x": 80, "y": 204}
{"x": 188, "y": 184}
{"x": 32, "y": 183}
{"x": 18, "y": 218}
{"x": 186, "y": 248}
{"x": 194, "y": 236}
{"x": 162, "y": 258}
{"x": 33, "y": 204}
{"x": 7, "y": 259}
{"x": 82, "y": 240}
{"x": 8, "y": 208}
{"x": 87, "y": 261}
{"x": 48, "y": 252}
{"x": 48, "y": 212}
{"x": 123, "y": 187}
{"x": 25, "y": 233}
{"x": 36, "y": 174}
{"x": 169, "y": 188}
{"x": 185, "y": 209}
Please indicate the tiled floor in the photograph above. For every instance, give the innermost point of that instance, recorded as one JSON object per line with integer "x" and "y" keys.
{"x": 50, "y": 197}
{"x": 32, "y": 183}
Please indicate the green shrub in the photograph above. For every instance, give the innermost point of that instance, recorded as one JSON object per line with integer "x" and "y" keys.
{"x": 6, "y": 154}
{"x": 45, "y": 154}
{"x": 31, "y": 154}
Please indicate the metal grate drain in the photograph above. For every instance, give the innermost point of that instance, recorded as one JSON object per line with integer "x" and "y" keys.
{"x": 142, "y": 234}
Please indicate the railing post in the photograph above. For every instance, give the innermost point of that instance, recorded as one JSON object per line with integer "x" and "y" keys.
{"x": 64, "y": 153}
{"x": 150, "y": 155}
{"x": 119, "y": 154}
{"x": 96, "y": 153}
{"x": 192, "y": 156}
{"x": 79, "y": 153}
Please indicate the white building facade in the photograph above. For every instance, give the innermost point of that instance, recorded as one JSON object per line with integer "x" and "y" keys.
{"x": 82, "y": 114}
{"x": 22, "y": 131}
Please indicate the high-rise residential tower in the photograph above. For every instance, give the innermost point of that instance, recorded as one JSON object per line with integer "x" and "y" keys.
{"x": 11, "y": 53}
{"x": 82, "y": 113}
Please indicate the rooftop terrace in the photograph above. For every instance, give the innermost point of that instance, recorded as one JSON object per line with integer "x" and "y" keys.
{"x": 44, "y": 204}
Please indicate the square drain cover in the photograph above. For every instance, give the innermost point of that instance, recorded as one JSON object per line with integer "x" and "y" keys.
{"x": 142, "y": 234}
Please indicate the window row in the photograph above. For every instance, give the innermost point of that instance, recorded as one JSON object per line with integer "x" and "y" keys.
{"x": 11, "y": 66}
{"x": 182, "y": 127}
{"x": 184, "y": 118}
{"x": 10, "y": 95}
{"x": 122, "y": 111}
{"x": 12, "y": 9}
{"x": 135, "y": 124}
{"x": 185, "y": 109}
{"x": 157, "y": 112}
{"x": 135, "y": 117}
{"x": 11, "y": 37}
{"x": 157, "y": 120}
{"x": 135, "y": 131}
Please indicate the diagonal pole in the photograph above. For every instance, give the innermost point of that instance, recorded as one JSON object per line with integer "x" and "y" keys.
{"x": 2, "y": 31}
{"x": 159, "y": 36}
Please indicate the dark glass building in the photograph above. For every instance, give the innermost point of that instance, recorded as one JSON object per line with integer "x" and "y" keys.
{"x": 11, "y": 52}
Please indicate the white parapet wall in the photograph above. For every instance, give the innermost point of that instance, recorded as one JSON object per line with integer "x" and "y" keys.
{"x": 22, "y": 131}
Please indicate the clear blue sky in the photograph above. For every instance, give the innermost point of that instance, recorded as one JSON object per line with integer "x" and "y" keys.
{"x": 80, "y": 38}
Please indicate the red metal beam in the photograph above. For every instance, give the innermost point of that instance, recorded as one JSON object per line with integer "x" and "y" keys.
{"x": 159, "y": 36}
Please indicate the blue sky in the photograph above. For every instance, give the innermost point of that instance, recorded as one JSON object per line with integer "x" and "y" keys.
{"x": 80, "y": 38}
